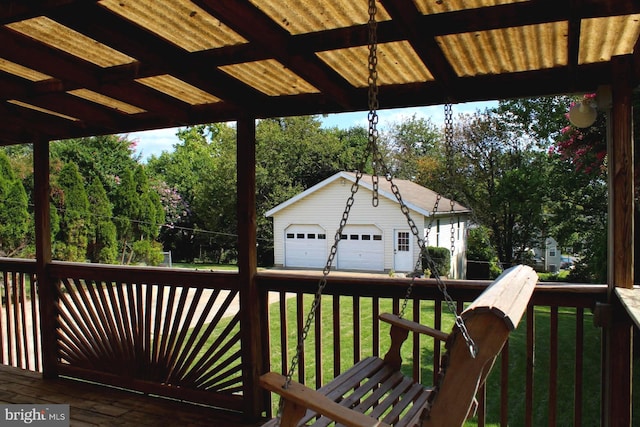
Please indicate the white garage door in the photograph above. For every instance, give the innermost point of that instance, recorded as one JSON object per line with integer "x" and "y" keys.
{"x": 361, "y": 248}
{"x": 305, "y": 246}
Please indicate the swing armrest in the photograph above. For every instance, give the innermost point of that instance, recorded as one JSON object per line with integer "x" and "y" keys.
{"x": 302, "y": 397}
{"x": 394, "y": 320}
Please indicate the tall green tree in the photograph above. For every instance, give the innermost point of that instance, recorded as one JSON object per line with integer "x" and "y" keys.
{"x": 73, "y": 208}
{"x": 103, "y": 242}
{"x": 150, "y": 214}
{"x": 125, "y": 211}
{"x": 215, "y": 198}
{"x": 14, "y": 215}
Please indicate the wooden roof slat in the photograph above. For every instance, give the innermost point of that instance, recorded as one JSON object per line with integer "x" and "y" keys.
{"x": 156, "y": 55}
{"x": 405, "y": 13}
{"x": 249, "y": 37}
{"x": 252, "y": 24}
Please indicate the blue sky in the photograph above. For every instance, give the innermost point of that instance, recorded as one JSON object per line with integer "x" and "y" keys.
{"x": 156, "y": 141}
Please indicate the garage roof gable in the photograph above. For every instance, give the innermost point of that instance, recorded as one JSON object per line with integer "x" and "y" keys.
{"x": 415, "y": 196}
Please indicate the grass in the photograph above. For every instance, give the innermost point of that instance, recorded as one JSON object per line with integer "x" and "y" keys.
{"x": 517, "y": 358}
{"x": 560, "y": 276}
{"x": 213, "y": 267}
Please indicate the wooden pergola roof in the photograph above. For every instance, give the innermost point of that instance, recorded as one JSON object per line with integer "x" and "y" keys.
{"x": 77, "y": 68}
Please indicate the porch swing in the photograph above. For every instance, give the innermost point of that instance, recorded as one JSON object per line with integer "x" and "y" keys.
{"x": 374, "y": 392}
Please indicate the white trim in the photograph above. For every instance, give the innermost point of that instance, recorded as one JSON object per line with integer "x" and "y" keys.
{"x": 352, "y": 179}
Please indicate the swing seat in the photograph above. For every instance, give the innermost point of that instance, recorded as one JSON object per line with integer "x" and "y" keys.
{"x": 375, "y": 393}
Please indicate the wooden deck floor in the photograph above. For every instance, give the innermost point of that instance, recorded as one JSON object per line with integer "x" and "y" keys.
{"x": 93, "y": 405}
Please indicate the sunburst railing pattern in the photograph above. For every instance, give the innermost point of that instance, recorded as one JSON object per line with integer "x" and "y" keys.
{"x": 169, "y": 336}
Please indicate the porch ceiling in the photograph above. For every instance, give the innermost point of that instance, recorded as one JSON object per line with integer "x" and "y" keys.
{"x": 71, "y": 68}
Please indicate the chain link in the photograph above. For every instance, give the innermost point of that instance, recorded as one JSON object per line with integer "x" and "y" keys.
{"x": 323, "y": 282}
{"x": 372, "y": 80}
{"x": 378, "y": 166}
{"x": 372, "y": 147}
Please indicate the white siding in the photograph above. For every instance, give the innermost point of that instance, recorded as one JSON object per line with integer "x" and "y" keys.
{"x": 441, "y": 237}
{"x": 325, "y": 206}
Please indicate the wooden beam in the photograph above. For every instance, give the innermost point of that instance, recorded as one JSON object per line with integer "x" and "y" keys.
{"x": 250, "y": 301}
{"x": 406, "y": 16}
{"x": 46, "y": 292}
{"x": 621, "y": 177}
{"x": 618, "y": 336}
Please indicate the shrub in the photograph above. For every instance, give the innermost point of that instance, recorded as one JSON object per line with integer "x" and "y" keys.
{"x": 441, "y": 260}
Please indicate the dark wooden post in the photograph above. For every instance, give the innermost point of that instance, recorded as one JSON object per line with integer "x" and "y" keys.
{"x": 617, "y": 360}
{"x": 251, "y": 302}
{"x": 46, "y": 292}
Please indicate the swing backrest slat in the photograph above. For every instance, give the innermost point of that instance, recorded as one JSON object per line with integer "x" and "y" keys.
{"x": 489, "y": 320}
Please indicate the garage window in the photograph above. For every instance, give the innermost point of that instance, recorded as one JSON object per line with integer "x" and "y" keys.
{"x": 377, "y": 237}
{"x": 354, "y": 237}
{"x": 366, "y": 237}
{"x": 300, "y": 236}
{"x": 343, "y": 237}
{"x": 322, "y": 236}
{"x": 311, "y": 236}
{"x": 290, "y": 235}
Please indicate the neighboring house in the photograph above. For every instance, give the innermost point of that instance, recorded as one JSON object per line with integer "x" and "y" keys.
{"x": 375, "y": 238}
{"x": 548, "y": 258}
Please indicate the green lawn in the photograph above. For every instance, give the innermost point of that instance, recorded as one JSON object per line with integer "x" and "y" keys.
{"x": 517, "y": 357}
{"x": 517, "y": 361}
{"x": 194, "y": 266}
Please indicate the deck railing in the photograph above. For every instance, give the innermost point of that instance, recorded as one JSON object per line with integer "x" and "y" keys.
{"x": 19, "y": 315}
{"x": 538, "y": 380}
{"x": 152, "y": 329}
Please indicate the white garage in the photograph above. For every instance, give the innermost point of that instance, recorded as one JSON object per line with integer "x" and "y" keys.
{"x": 374, "y": 239}
{"x": 361, "y": 248}
{"x": 305, "y": 246}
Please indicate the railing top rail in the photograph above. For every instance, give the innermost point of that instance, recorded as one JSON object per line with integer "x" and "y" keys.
{"x": 378, "y": 285}
{"x": 18, "y": 264}
{"x": 147, "y": 275}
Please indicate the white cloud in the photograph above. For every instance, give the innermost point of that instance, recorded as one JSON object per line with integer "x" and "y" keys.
{"x": 154, "y": 142}
{"x": 435, "y": 113}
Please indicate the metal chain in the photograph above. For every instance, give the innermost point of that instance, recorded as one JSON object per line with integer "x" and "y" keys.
{"x": 448, "y": 140}
{"x": 378, "y": 165}
{"x": 323, "y": 282}
{"x": 372, "y": 81}
{"x": 372, "y": 147}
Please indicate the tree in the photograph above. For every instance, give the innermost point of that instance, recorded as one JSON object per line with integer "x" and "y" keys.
{"x": 105, "y": 157}
{"x": 103, "y": 243}
{"x": 576, "y": 210}
{"x": 502, "y": 180}
{"x": 125, "y": 210}
{"x": 14, "y": 215}
{"x": 180, "y": 175}
{"x": 73, "y": 207}
{"x": 214, "y": 204}
{"x": 580, "y": 204}
{"x": 407, "y": 142}
{"x": 536, "y": 118}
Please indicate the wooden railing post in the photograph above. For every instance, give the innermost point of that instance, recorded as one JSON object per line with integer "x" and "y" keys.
{"x": 617, "y": 361}
{"x": 252, "y": 301}
{"x": 46, "y": 294}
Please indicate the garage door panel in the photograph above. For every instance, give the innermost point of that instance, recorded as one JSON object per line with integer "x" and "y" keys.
{"x": 305, "y": 247}
{"x": 361, "y": 248}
